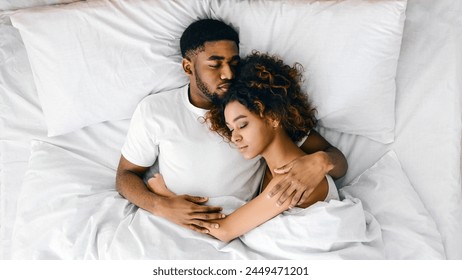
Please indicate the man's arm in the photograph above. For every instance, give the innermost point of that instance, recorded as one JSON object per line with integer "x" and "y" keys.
{"x": 184, "y": 210}
{"x": 305, "y": 174}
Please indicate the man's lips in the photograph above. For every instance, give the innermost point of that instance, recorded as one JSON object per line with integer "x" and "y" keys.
{"x": 225, "y": 86}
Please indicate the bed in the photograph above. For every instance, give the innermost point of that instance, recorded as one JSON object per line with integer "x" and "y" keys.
{"x": 385, "y": 76}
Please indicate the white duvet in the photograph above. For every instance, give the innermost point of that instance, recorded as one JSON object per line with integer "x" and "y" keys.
{"x": 83, "y": 217}
{"x": 68, "y": 207}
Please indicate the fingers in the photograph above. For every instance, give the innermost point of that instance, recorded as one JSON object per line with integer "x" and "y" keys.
{"x": 188, "y": 212}
{"x": 198, "y": 229}
{"x": 284, "y": 169}
{"x": 288, "y": 193}
{"x": 292, "y": 190}
{"x": 196, "y": 199}
{"x": 207, "y": 216}
{"x": 203, "y": 226}
{"x": 288, "y": 190}
{"x": 285, "y": 188}
{"x": 279, "y": 187}
{"x": 305, "y": 200}
{"x": 204, "y": 221}
{"x": 204, "y": 212}
{"x": 296, "y": 198}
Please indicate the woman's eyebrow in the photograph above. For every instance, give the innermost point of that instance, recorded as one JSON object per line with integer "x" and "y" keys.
{"x": 237, "y": 118}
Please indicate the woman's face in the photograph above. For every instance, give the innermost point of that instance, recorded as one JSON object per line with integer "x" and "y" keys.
{"x": 250, "y": 133}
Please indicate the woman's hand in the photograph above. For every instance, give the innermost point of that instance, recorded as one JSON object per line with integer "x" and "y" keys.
{"x": 302, "y": 180}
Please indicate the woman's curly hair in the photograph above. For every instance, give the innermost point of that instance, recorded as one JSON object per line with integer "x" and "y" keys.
{"x": 266, "y": 80}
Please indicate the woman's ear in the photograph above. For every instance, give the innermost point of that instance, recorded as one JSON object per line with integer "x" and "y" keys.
{"x": 187, "y": 66}
{"x": 275, "y": 123}
{"x": 273, "y": 120}
{"x": 261, "y": 108}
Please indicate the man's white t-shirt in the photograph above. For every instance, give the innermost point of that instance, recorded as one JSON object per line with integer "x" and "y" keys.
{"x": 192, "y": 159}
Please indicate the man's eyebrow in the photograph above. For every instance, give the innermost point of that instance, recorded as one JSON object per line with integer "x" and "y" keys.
{"x": 217, "y": 57}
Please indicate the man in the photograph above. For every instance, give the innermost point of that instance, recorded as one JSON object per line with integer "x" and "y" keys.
{"x": 169, "y": 127}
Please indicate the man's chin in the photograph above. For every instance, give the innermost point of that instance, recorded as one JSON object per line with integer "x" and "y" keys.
{"x": 216, "y": 98}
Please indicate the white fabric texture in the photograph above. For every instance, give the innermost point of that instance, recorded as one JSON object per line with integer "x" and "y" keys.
{"x": 349, "y": 50}
{"x": 427, "y": 143}
{"x": 94, "y": 61}
{"x": 14, "y": 156}
{"x": 85, "y": 218}
{"x": 20, "y": 4}
{"x": 192, "y": 159}
{"x": 429, "y": 109}
{"x": 408, "y": 230}
{"x": 332, "y": 191}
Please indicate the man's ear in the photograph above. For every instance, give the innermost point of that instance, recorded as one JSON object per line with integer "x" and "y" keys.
{"x": 187, "y": 66}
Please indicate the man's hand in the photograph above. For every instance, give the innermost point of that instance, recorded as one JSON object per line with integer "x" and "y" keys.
{"x": 184, "y": 210}
{"x": 303, "y": 178}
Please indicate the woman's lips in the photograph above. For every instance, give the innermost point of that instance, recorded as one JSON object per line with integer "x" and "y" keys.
{"x": 242, "y": 148}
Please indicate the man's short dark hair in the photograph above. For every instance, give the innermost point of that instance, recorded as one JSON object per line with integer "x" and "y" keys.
{"x": 205, "y": 30}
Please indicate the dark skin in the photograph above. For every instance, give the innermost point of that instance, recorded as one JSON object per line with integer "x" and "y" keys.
{"x": 185, "y": 210}
{"x": 322, "y": 158}
{"x": 210, "y": 72}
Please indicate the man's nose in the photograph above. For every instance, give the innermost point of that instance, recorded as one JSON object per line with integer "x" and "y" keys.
{"x": 227, "y": 73}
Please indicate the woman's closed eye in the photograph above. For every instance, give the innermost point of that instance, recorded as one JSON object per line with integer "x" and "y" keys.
{"x": 239, "y": 126}
{"x": 242, "y": 125}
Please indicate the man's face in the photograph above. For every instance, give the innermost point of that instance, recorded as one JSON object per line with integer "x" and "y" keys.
{"x": 212, "y": 72}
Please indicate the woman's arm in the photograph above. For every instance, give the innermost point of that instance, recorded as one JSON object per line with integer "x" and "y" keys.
{"x": 257, "y": 211}
{"x": 247, "y": 217}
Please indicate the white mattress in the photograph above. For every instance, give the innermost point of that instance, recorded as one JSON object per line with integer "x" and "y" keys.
{"x": 427, "y": 143}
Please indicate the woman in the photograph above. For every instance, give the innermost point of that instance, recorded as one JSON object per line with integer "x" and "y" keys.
{"x": 265, "y": 113}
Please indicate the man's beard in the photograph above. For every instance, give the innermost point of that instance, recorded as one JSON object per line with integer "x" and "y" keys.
{"x": 213, "y": 97}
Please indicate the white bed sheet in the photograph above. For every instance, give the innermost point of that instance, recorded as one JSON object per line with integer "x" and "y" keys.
{"x": 428, "y": 115}
{"x": 428, "y": 109}
{"x": 20, "y": 119}
{"x": 427, "y": 86}
{"x": 14, "y": 156}
{"x": 6, "y": 5}
{"x": 84, "y": 217}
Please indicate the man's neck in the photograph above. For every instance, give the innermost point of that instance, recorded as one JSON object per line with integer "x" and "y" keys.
{"x": 196, "y": 100}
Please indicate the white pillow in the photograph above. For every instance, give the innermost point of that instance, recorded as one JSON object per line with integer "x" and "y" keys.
{"x": 19, "y": 4}
{"x": 349, "y": 50}
{"x": 94, "y": 61}
{"x": 408, "y": 230}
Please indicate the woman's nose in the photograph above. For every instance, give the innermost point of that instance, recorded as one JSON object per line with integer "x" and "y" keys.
{"x": 235, "y": 137}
